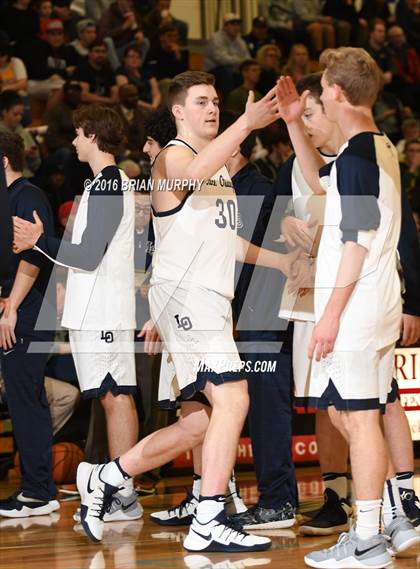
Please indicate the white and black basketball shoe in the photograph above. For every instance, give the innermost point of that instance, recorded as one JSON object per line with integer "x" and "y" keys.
{"x": 219, "y": 535}
{"x": 96, "y": 498}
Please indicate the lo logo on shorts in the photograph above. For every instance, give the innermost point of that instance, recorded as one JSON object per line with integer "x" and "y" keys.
{"x": 107, "y": 336}
{"x": 184, "y": 323}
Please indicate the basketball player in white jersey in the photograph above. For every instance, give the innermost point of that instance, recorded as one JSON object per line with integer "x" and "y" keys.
{"x": 333, "y": 516}
{"x": 355, "y": 333}
{"x": 99, "y": 307}
{"x": 302, "y": 226}
{"x": 192, "y": 286}
{"x": 159, "y": 131}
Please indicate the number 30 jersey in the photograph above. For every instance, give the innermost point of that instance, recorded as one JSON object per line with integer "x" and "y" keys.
{"x": 195, "y": 242}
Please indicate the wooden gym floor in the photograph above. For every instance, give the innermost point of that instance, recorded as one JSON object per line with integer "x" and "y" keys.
{"x": 54, "y": 542}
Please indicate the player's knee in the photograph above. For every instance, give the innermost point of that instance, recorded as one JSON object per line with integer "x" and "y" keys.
{"x": 194, "y": 437}
{"x": 197, "y": 437}
{"x": 358, "y": 422}
{"x": 233, "y": 401}
{"x": 193, "y": 432}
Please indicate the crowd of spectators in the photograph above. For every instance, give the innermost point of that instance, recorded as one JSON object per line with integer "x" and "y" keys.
{"x": 56, "y": 55}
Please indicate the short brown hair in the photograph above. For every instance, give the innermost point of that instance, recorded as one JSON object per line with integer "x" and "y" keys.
{"x": 11, "y": 145}
{"x": 355, "y": 71}
{"x": 311, "y": 83}
{"x": 134, "y": 48}
{"x": 180, "y": 84}
{"x": 103, "y": 122}
{"x": 246, "y": 64}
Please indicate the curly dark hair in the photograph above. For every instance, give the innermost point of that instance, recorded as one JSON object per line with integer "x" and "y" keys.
{"x": 103, "y": 122}
{"x": 160, "y": 126}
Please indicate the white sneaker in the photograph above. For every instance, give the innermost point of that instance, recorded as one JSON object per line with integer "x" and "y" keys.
{"x": 18, "y": 506}
{"x": 219, "y": 535}
{"x": 122, "y": 509}
{"x": 180, "y": 515}
{"x": 96, "y": 498}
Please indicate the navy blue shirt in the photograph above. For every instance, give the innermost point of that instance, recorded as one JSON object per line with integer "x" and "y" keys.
{"x": 259, "y": 289}
{"x": 409, "y": 250}
{"x": 24, "y": 199}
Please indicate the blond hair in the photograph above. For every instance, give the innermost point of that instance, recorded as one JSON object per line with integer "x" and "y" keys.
{"x": 355, "y": 71}
{"x": 289, "y": 68}
{"x": 261, "y": 53}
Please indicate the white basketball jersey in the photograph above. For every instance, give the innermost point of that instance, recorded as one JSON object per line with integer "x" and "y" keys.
{"x": 309, "y": 208}
{"x": 196, "y": 241}
{"x": 103, "y": 299}
{"x": 363, "y": 205}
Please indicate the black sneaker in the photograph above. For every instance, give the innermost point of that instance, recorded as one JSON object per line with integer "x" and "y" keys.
{"x": 411, "y": 506}
{"x": 14, "y": 507}
{"x": 265, "y": 518}
{"x": 333, "y": 517}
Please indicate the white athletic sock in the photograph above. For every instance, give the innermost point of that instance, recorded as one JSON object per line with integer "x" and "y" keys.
{"x": 368, "y": 518}
{"x": 113, "y": 474}
{"x": 209, "y": 507}
{"x": 196, "y": 487}
{"x": 336, "y": 481}
{"x": 128, "y": 488}
{"x": 405, "y": 479}
{"x": 392, "y": 506}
